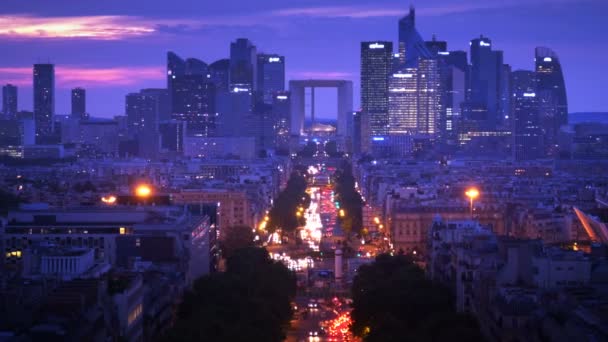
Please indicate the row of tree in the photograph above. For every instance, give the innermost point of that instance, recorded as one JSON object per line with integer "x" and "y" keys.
{"x": 283, "y": 214}
{"x": 394, "y": 301}
{"x": 348, "y": 198}
{"x": 251, "y": 301}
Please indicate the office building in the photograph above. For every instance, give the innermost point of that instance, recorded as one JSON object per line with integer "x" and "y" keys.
{"x": 142, "y": 113}
{"x": 551, "y": 91}
{"x": 429, "y": 97}
{"x": 486, "y": 73}
{"x": 403, "y": 102}
{"x": 79, "y": 103}
{"x": 376, "y": 65}
{"x": 411, "y": 45}
{"x": 243, "y": 64}
{"x": 270, "y": 76}
{"x": 527, "y": 133}
{"x": 281, "y": 109}
{"x": 9, "y": 101}
{"x": 44, "y": 99}
{"x": 193, "y": 102}
{"x": 219, "y": 73}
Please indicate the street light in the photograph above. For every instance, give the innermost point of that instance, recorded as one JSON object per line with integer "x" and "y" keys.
{"x": 143, "y": 191}
{"x": 472, "y": 194}
{"x": 342, "y": 213}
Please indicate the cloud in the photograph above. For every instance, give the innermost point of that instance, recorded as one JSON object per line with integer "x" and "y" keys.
{"x": 71, "y": 76}
{"x": 320, "y": 75}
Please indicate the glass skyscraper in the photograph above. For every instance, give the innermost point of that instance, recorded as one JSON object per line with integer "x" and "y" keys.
{"x": 79, "y": 103}
{"x": 376, "y": 65}
{"x": 9, "y": 101}
{"x": 552, "y": 97}
{"x": 411, "y": 45}
{"x": 527, "y": 133}
{"x": 243, "y": 64}
{"x": 486, "y": 73}
{"x": 44, "y": 99}
{"x": 403, "y": 102}
{"x": 270, "y": 75}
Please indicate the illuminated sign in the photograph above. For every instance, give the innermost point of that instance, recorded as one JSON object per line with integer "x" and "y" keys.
{"x": 482, "y": 43}
{"x": 443, "y": 53}
{"x": 274, "y": 59}
{"x": 403, "y": 75}
{"x": 547, "y": 59}
{"x": 281, "y": 97}
{"x": 376, "y": 46}
{"x": 238, "y": 90}
{"x": 378, "y": 138}
{"x": 529, "y": 94}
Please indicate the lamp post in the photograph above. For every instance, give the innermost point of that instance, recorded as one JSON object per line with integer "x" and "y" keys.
{"x": 472, "y": 194}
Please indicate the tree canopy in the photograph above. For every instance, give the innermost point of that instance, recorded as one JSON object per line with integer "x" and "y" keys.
{"x": 249, "y": 302}
{"x": 393, "y": 301}
{"x": 285, "y": 206}
{"x": 233, "y": 238}
{"x": 348, "y": 198}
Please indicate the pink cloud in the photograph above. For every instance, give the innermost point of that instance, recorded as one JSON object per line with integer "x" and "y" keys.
{"x": 70, "y": 76}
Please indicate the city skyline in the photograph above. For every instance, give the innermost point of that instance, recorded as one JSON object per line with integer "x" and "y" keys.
{"x": 133, "y": 48}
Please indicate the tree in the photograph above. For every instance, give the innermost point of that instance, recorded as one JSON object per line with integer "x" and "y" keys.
{"x": 348, "y": 197}
{"x": 283, "y": 215}
{"x": 393, "y": 301}
{"x": 235, "y": 237}
{"x": 249, "y": 302}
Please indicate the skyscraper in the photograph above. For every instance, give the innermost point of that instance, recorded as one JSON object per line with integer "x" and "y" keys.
{"x": 9, "y": 101}
{"x": 527, "y": 133}
{"x": 552, "y": 97}
{"x": 193, "y": 101}
{"x": 411, "y": 45}
{"x": 270, "y": 75}
{"x": 243, "y": 64}
{"x": 79, "y": 103}
{"x": 281, "y": 109}
{"x": 142, "y": 113}
{"x": 486, "y": 73}
{"x": 376, "y": 63}
{"x": 429, "y": 96}
{"x": 219, "y": 72}
{"x": 175, "y": 66}
{"x": 403, "y": 102}
{"x": 44, "y": 99}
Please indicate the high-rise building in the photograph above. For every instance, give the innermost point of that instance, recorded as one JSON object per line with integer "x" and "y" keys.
{"x": 552, "y": 97}
{"x": 411, "y": 45}
{"x": 44, "y": 99}
{"x": 243, "y": 64}
{"x": 191, "y": 94}
{"x": 376, "y": 65}
{"x": 429, "y": 96}
{"x": 163, "y": 105}
{"x": 403, "y": 102}
{"x": 193, "y": 101}
{"x": 281, "y": 108}
{"x": 527, "y": 133}
{"x": 435, "y": 46}
{"x": 79, "y": 103}
{"x": 486, "y": 73}
{"x": 270, "y": 76}
{"x": 9, "y": 101}
{"x": 219, "y": 72}
{"x": 142, "y": 113}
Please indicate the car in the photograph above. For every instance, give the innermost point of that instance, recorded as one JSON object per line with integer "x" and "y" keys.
{"x": 312, "y": 304}
{"x": 313, "y": 334}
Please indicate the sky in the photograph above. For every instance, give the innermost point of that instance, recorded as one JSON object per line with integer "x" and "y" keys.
{"x": 114, "y": 47}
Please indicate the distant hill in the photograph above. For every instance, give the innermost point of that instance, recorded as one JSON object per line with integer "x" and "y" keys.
{"x": 600, "y": 117}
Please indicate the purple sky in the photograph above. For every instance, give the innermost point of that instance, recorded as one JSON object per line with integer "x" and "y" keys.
{"x": 113, "y": 47}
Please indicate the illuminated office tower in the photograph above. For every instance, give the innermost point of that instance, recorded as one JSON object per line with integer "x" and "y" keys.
{"x": 270, "y": 76}
{"x": 527, "y": 133}
{"x": 403, "y": 102}
{"x": 281, "y": 109}
{"x": 79, "y": 103}
{"x": 193, "y": 102}
{"x": 552, "y": 97}
{"x": 429, "y": 96}
{"x": 376, "y": 65}
{"x": 44, "y": 99}
{"x": 411, "y": 45}
{"x": 9, "y": 101}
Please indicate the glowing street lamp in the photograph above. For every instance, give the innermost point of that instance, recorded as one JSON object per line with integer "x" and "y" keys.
{"x": 143, "y": 191}
{"x": 342, "y": 213}
{"x": 109, "y": 199}
{"x": 472, "y": 194}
